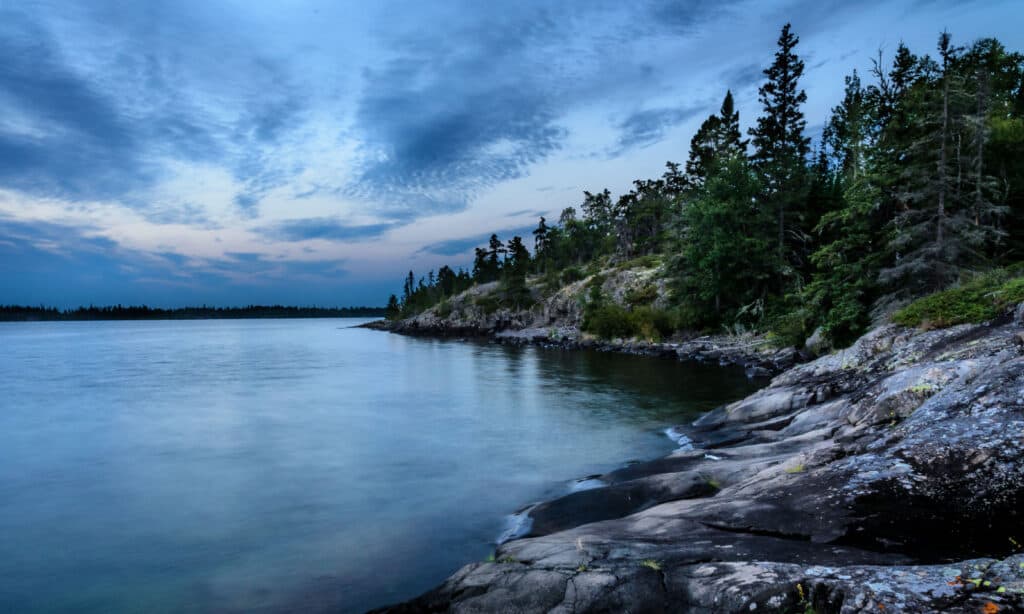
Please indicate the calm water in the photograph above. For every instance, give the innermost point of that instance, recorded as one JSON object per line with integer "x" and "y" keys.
{"x": 276, "y": 465}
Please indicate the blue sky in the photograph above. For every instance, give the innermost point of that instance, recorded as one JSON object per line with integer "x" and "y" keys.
{"x": 311, "y": 152}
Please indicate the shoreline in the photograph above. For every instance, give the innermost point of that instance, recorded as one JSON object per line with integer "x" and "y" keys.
{"x": 752, "y": 354}
{"x": 824, "y": 490}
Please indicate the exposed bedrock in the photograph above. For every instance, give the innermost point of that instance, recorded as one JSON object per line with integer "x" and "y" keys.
{"x": 885, "y": 477}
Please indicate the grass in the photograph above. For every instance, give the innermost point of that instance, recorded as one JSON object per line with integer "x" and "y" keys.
{"x": 651, "y": 564}
{"x": 979, "y": 299}
{"x": 796, "y": 469}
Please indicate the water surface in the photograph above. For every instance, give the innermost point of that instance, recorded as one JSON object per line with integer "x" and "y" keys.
{"x": 294, "y": 465}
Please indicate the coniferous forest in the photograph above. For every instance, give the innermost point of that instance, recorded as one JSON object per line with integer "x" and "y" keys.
{"x": 916, "y": 185}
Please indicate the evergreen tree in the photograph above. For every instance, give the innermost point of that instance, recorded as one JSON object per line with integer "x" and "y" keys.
{"x": 935, "y": 234}
{"x": 780, "y": 145}
{"x": 393, "y": 310}
{"x": 723, "y": 259}
{"x": 719, "y": 135}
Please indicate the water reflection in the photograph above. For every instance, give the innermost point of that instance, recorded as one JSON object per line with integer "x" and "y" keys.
{"x": 261, "y": 465}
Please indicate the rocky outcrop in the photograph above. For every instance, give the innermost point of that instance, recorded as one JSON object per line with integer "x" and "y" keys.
{"x": 888, "y": 477}
{"x": 556, "y": 318}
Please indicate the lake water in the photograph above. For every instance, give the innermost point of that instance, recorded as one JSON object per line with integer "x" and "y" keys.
{"x": 294, "y": 465}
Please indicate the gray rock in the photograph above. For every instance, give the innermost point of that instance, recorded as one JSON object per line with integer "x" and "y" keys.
{"x": 817, "y": 344}
{"x": 845, "y": 486}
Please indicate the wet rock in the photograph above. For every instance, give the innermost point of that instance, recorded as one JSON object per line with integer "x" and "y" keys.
{"x": 884, "y": 477}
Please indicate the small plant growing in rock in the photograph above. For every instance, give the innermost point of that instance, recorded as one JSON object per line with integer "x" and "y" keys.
{"x": 651, "y": 564}
{"x": 796, "y": 469}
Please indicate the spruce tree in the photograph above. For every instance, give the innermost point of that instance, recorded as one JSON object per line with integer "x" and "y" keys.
{"x": 780, "y": 145}
{"x": 718, "y": 136}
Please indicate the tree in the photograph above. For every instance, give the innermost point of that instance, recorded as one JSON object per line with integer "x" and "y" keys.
{"x": 540, "y": 242}
{"x": 934, "y": 235}
{"x": 723, "y": 260}
{"x": 514, "y": 271}
{"x": 393, "y": 310}
{"x": 780, "y": 145}
{"x": 718, "y": 136}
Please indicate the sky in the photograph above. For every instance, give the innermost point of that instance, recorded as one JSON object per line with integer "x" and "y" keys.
{"x": 312, "y": 152}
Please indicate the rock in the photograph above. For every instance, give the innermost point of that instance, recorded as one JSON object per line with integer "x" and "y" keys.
{"x": 1018, "y": 314}
{"x": 817, "y": 344}
{"x": 825, "y": 491}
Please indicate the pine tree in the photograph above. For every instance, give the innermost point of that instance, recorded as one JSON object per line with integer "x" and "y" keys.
{"x": 780, "y": 145}
{"x": 718, "y": 136}
{"x": 933, "y": 235}
{"x": 393, "y": 311}
{"x": 723, "y": 261}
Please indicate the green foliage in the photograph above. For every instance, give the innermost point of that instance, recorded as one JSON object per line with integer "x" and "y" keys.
{"x": 726, "y": 257}
{"x": 488, "y": 303}
{"x": 982, "y": 298}
{"x": 572, "y": 274}
{"x": 651, "y": 564}
{"x": 444, "y": 309}
{"x": 919, "y": 177}
{"x": 642, "y": 295}
{"x": 611, "y": 321}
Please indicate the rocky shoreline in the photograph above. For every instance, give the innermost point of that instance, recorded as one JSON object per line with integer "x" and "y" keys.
{"x": 753, "y": 353}
{"x": 887, "y": 477}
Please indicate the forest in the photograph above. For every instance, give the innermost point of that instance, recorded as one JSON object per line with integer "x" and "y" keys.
{"x": 118, "y": 312}
{"x": 915, "y": 186}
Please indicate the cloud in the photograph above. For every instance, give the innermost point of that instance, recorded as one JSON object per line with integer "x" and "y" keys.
{"x": 455, "y": 247}
{"x": 85, "y": 116}
{"x": 327, "y": 228}
{"x": 37, "y": 257}
{"x": 649, "y": 126}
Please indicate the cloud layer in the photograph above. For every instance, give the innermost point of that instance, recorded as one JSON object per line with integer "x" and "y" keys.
{"x": 179, "y": 145}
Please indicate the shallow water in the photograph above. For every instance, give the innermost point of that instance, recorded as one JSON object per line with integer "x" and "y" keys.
{"x": 302, "y": 465}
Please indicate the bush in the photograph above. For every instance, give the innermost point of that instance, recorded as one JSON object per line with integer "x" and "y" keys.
{"x": 610, "y": 321}
{"x": 444, "y": 309}
{"x": 572, "y": 274}
{"x": 487, "y": 303}
{"x": 654, "y": 324}
{"x": 643, "y": 295}
{"x": 982, "y": 298}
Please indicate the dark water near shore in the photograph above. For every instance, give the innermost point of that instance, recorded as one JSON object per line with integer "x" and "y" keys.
{"x": 294, "y": 465}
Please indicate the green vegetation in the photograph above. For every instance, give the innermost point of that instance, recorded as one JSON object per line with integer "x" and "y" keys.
{"x": 651, "y": 564}
{"x": 981, "y": 298}
{"x": 917, "y": 181}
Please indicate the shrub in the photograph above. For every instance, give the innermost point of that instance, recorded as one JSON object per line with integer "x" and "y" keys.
{"x": 609, "y": 321}
{"x": 654, "y": 324}
{"x": 572, "y": 274}
{"x": 642, "y": 295}
{"x": 488, "y": 303}
{"x": 982, "y": 298}
{"x": 444, "y": 309}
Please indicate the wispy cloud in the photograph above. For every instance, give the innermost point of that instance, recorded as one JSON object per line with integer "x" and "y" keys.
{"x": 330, "y": 229}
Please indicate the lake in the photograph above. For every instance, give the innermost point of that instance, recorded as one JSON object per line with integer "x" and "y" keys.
{"x": 295, "y": 465}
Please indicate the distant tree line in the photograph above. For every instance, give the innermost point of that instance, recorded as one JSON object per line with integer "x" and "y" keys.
{"x": 118, "y": 312}
{"x": 917, "y": 181}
